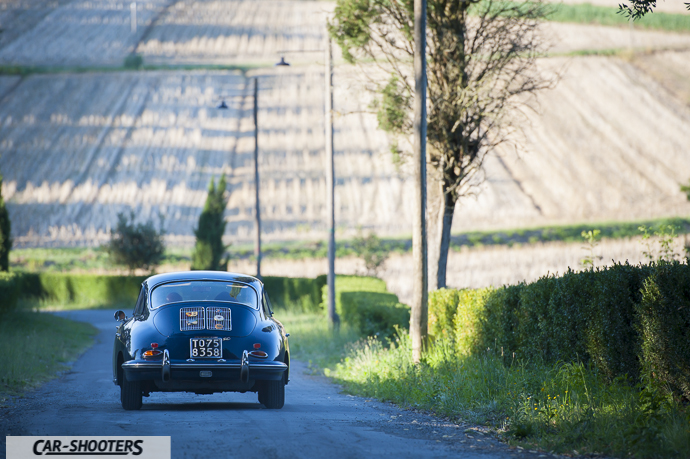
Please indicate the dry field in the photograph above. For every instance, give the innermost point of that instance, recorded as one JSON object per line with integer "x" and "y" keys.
{"x": 609, "y": 142}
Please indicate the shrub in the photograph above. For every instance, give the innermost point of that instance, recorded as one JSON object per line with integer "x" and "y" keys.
{"x": 532, "y": 319}
{"x": 628, "y": 321}
{"x": 209, "y": 249}
{"x": 9, "y": 292}
{"x": 5, "y": 234}
{"x": 136, "y": 245}
{"x": 366, "y": 303}
{"x": 371, "y": 251}
{"x": 295, "y": 293}
{"x": 298, "y": 294}
{"x": 443, "y": 304}
{"x": 469, "y": 320}
{"x": 664, "y": 326}
{"x": 103, "y": 290}
{"x": 612, "y": 342}
{"x": 133, "y": 61}
{"x": 374, "y": 313}
{"x": 499, "y": 327}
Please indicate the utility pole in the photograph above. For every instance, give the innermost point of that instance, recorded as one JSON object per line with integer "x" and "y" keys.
{"x": 419, "y": 312}
{"x": 133, "y": 17}
{"x": 257, "y": 210}
{"x": 330, "y": 183}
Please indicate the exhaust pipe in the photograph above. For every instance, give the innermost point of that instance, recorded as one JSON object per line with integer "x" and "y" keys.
{"x": 166, "y": 365}
{"x": 244, "y": 371}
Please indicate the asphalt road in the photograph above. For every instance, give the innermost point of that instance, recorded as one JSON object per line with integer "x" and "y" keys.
{"x": 317, "y": 420}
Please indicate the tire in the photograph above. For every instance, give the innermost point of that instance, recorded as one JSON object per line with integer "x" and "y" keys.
{"x": 272, "y": 394}
{"x": 130, "y": 394}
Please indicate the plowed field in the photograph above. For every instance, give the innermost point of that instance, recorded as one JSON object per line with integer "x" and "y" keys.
{"x": 609, "y": 142}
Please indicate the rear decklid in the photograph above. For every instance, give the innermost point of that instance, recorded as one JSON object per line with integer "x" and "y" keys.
{"x": 194, "y": 318}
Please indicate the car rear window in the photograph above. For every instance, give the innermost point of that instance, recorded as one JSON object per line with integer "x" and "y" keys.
{"x": 180, "y": 292}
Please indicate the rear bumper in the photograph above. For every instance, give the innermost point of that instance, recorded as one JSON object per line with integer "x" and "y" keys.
{"x": 140, "y": 370}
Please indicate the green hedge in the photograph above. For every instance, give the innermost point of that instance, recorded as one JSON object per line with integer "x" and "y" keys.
{"x": 295, "y": 293}
{"x": 112, "y": 290}
{"x": 626, "y": 320}
{"x": 366, "y": 303}
{"x": 86, "y": 288}
{"x": 9, "y": 292}
{"x": 664, "y": 326}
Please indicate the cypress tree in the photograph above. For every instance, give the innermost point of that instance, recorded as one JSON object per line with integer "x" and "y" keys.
{"x": 209, "y": 249}
{"x": 5, "y": 238}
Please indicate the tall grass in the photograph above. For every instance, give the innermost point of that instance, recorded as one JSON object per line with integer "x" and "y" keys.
{"x": 565, "y": 408}
{"x": 313, "y": 341}
{"x": 36, "y": 346}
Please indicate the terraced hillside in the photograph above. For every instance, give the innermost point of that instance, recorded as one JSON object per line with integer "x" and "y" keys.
{"x": 609, "y": 142}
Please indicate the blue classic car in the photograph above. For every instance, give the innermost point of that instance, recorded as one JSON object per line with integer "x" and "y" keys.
{"x": 201, "y": 332}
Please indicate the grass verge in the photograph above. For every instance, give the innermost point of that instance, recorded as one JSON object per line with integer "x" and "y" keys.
{"x": 565, "y": 408}
{"x": 585, "y": 13}
{"x": 313, "y": 341}
{"x": 36, "y": 347}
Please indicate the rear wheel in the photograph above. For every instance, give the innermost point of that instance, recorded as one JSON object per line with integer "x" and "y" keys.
{"x": 272, "y": 394}
{"x": 130, "y": 393}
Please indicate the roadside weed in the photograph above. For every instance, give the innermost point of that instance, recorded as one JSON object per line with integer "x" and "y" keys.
{"x": 562, "y": 408}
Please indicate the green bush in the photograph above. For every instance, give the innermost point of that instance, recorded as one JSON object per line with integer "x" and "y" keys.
{"x": 443, "y": 304}
{"x": 366, "y": 303}
{"x": 136, "y": 245}
{"x": 664, "y": 326}
{"x": 499, "y": 327}
{"x": 374, "y": 313}
{"x": 612, "y": 342}
{"x": 623, "y": 319}
{"x": 209, "y": 250}
{"x": 9, "y": 292}
{"x": 295, "y": 293}
{"x": 133, "y": 61}
{"x": 87, "y": 288}
{"x": 298, "y": 294}
{"x": 371, "y": 250}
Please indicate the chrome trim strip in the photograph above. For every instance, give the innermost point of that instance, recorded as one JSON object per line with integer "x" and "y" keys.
{"x": 202, "y": 365}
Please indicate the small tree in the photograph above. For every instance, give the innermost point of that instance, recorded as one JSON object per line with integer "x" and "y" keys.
{"x": 592, "y": 239}
{"x": 5, "y": 237}
{"x": 209, "y": 250}
{"x": 371, "y": 250}
{"x": 136, "y": 245}
{"x": 481, "y": 70}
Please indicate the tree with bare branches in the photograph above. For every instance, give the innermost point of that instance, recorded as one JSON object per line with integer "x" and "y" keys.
{"x": 481, "y": 68}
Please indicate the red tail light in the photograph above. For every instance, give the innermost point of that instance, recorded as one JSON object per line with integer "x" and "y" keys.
{"x": 257, "y": 345}
{"x": 259, "y": 354}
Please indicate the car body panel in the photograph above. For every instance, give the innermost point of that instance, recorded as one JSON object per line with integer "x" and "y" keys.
{"x": 243, "y": 330}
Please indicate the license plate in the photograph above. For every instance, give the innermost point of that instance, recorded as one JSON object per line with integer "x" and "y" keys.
{"x": 208, "y": 348}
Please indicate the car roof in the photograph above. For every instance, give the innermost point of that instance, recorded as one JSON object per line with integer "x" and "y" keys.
{"x": 203, "y": 275}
